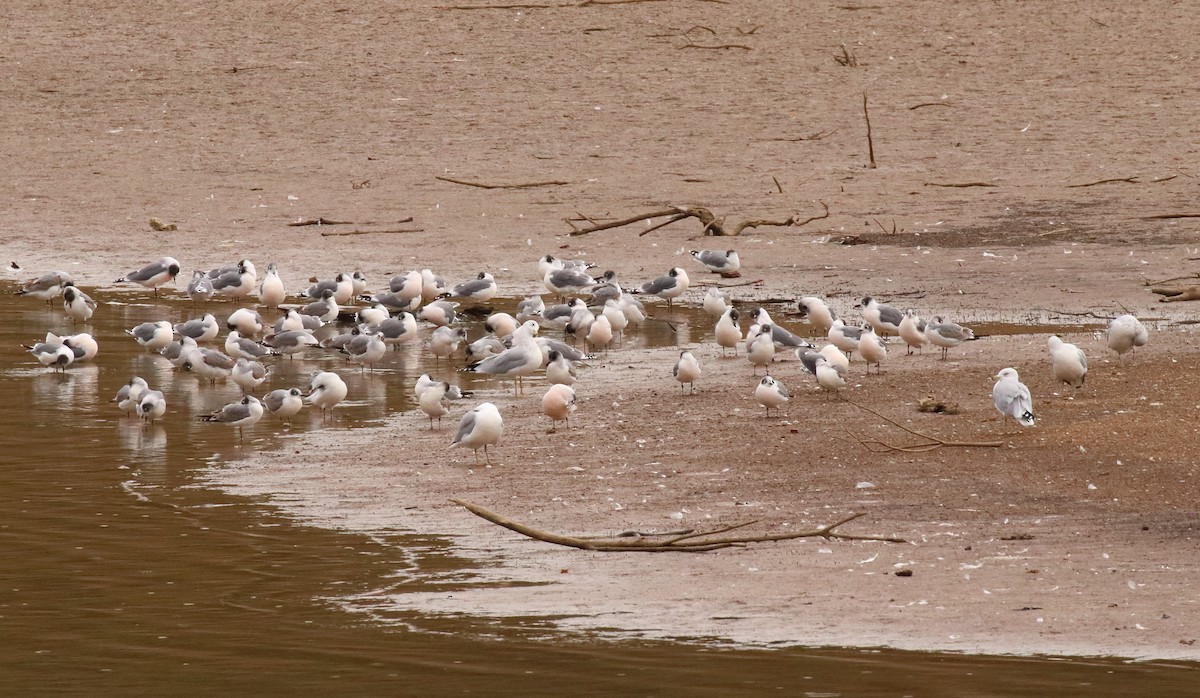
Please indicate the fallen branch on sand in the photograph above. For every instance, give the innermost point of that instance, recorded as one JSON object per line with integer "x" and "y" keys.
{"x": 1171, "y": 294}
{"x": 324, "y": 221}
{"x": 931, "y": 442}
{"x": 712, "y": 225}
{"x": 960, "y": 185}
{"x": 673, "y": 542}
{"x": 523, "y": 185}
{"x": 375, "y": 232}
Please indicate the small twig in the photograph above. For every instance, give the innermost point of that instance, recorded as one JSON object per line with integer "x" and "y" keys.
{"x": 1128, "y": 180}
{"x": 960, "y": 184}
{"x": 1167, "y": 281}
{"x": 777, "y": 184}
{"x": 375, "y": 232}
{"x": 870, "y": 142}
{"x": 930, "y": 104}
{"x": 1170, "y": 216}
{"x": 703, "y": 284}
{"x": 811, "y": 137}
{"x": 691, "y": 44}
{"x": 524, "y": 185}
{"x": 326, "y": 221}
{"x": 669, "y": 221}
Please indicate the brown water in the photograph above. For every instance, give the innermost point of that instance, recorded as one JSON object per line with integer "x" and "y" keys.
{"x": 124, "y": 575}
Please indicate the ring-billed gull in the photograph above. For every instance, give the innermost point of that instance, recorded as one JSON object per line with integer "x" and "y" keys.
{"x": 686, "y": 370}
{"x": 884, "y": 319}
{"x": 558, "y": 403}
{"x": 327, "y": 389}
{"x": 760, "y": 349}
{"x": 669, "y": 286}
{"x": 130, "y": 394}
{"x": 1012, "y": 398}
{"x": 243, "y": 413}
{"x": 946, "y": 335}
{"x": 154, "y": 274}
{"x": 817, "y": 312}
{"x": 728, "y": 333}
{"x": 200, "y": 288}
{"x": 725, "y": 263}
{"x": 151, "y": 405}
{"x": 78, "y": 305}
{"x": 1068, "y": 362}
{"x": 912, "y": 331}
{"x": 480, "y": 428}
{"x": 433, "y": 402}
{"x": 1126, "y": 332}
{"x": 771, "y": 394}
{"x": 284, "y": 402}
{"x": 271, "y": 292}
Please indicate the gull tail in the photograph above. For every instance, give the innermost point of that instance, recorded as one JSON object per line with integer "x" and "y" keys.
{"x": 1026, "y": 419}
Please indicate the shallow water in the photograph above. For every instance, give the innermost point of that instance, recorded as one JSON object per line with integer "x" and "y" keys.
{"x": 124, "y": 575}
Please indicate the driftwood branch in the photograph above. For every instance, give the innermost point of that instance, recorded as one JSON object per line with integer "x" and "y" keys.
{"x": 523, "y": 185}
{"x": 712, "y": 224}
{"x": 689, "y": 542}
{"x": 870, "y": 142}
{"x": 1171, "y": 294}
{"x": 1173, "y": 278}
{"x": 930, "y": 442}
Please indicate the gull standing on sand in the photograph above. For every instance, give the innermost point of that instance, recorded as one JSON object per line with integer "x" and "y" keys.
{"x": 271, "y": 292}
{"x": 202, "y": 329}
{"x": 668, "y": 286}
{"x": 152, "y": 335}
{"x": 728, "y": 333}
{"x": 327, "y": 389}
{"x": 844, "y": 337}
{"x": 480, "y": 428}
{"x": 130, "y": 394}
{"x": 771, "y": 393}
{"x": 558, "y": 403}
{"x": 1126, "y": 332}
{"x": 946, "y": 335}
{"x": 151, "y": 405}
{"x": 686, "y": 371}
{"x": 243, "y": 413}
{"x": 884, "y": 319}
{"x": 284, "y": 402}
{"x": 1012, "y": 398}
{"x": 433, "y": 402}
{"x": 1068, "y": 362}
{"x": 912, "y": 331}
{"x": 872, "y": 349}
{"x": 817, "y": 312}
{"x": 154, "y": 274}
{"x": 831, "y": 376}
{"x": 77, "y": 304}
{"x": 46, "y": 286}
{"x": 760, "y": 349}
{"x": 200, "y": 288}
{"x": 725, "y": 263}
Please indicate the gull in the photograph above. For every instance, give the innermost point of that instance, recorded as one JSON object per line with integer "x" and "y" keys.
{"x": 338, "y": 341}
{"x": 1012, "y": 398}
{"x": 82, "y": 345}
{"x": 728, "y": 333}
{"x": 835, "y": 357}
{"x": 178, "y": 352}
{"x": 152, "y": 335}
{"x": 365, "y": 350}
{"x": 872, "y": 349}
{"x": 600, "y": 333}
{"x": 341, "y": 284}
{"x": 53, "y": 354}
{"x": 326, "y": 308}
{"x": 238, "y": 346}
{"x": 425, "y": 383}
{"x": 243, "y": 413}
{"x": 46, "y": 286}
{"x": 440, "y": 313}
{"x": 77, "y": 304}
{"x": 482, "y": 348}
{"x": 154, "y": 274}
{"x": 606, "y": 288}
{"x": 433, "y": 402}
{"x": 530, "y": 308}
{"x": 818, "y": 313}
{"x": 445, "y": 340}
{"x": 779, "y": 334}
{"x": 480, "y": 428}
{"x": 201, "y": 329}
{"x": 130, "y": 394}
{"x": 234, "y": 282}
{"x": 151, "y": 405}
{"x": 771, "y": 393}
{"x": 477, "y": 290}
{"x": 395, "y": 301}
{"x": 248, "y": 374}
{"x": 549, "y": 262}
{"x": 358, "y": 283}
{"x": 209, "y": 363}
{"x": 272, "y": 292}
{"x": 1068, "y": 362}
{"x": 291, "y": 341}
{"x": 560, "y": 370}
{"x": 760, "y": 349}
{"x": 564, "y": 282}
{"x": 396, "y": 330}
{"x": 686, "y": 371}
{"x": 716, "y": 301}
{"x": 1126, "y": 332}
{"x": 912, "y": 331}
{"x": 246, "y": 321}
{"x": 293, "y": 320}
{"x": 554, "y": 317}
{"x": 946, "y": 335}
{"x": 432, "y": 285}
{"x": 500, "y": 324}
{"x": 844, "y": 337}
{"x": 830, "y": 376}
{"x": 373, "y": 315}
{"x": 522, "y": 359}
{"x": 634, "y": 311}
{"x": 668, "y": 286}
{"x": 724, "y": 263}
{"x": 200, "y": 288}
{"x": 569, "y": 352}
{"x": 284, "y": 402}
{"x": 558, "y": 403}
{"x": 884, "y": 319}
{"x": 616, "y": 318}
{"x": 581, "y": 319}
{"x": 327, "y": 389}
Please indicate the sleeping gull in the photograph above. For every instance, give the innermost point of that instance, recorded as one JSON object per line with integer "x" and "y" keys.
{"x": 432, "y": 285}
{"x": 480, "y": 428}
{"x": 284, "y": 402}
{"x": 178, "y": 352}
{"x": 154, "y": 274}
{"x": 560, "y": 369}
{"x": 500, "y": 324}
{"x": 1126, "y": 332}
{"x": 724, "y": 263}
{"x": 248, "y": 374}
{"x": 716, "y": 301}
{"x": 152, "y": 335}
{"x": 209, "y": 363}
{"x": 884, "y": 319}
{"x": 440, "y": 313}
{"x": 235, "y": 282}
{"x": 246, "y": 321}
{"x": 830, "y": 376}
{"x": 1012, "y": 398}
{"x": 397, "y": 330}
{"x": 291, "y": 341}
{"x": 600, "y": 334}
{"x": 477, "y": 290}
{"x": 83, "y": 345}
{"x": 238, "y": 346}
{"x": 946, "y": 335}
{"x": 445, "y": 341}
{"x": 565, "y": 282}
{"x": 1068, "y": 362}
{"x": 373, "y": 315}
{"x": 558, "y": 403}
{"x": 771, "y": 393}
{"x": 243, "y": 413}
{"x": 201, "y": 329}
{"x": 77, "y": 304}
{"x": 686, "y": 370}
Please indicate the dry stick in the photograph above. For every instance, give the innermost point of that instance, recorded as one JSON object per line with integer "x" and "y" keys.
{"x": 1167, "y": 281}
{"x": 777, "y": 184}
{"x": 790, "y": 222}
{"x": 930, "y": 104}
{"x": 917, "y": 448}
{"x": 669, "y": 221}
{"x": 526, "y": 185}
{"x": 963, "y": 184}
{"x": 703, "y": 284}
{"x": 1170, "y": 216}
{"x": 1128, "y": 180}
{"x": 690, "y": 543}
{"x": 326, "y": 221}
{"x": 374, "y": 232}
{"x": 689, "y": 44}
{"x": 812, "y": 137}
{"x": 870, "y": 143}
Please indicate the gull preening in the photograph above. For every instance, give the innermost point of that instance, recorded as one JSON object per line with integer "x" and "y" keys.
{"x": 433, "y": 402}
{"x": 558, "y": 403}
{"x": 130, "y": 395}
{"x": 727, "y": 332}
{"x": 327, "y": 390}
{"x": 151, "y": 405}
{"x": 1068, "y": 362}
{"x": 1126, "y": 332}
{"x": 884, "y": 319}
{"x": 817, "y": 312}
{"x": 1012, "y": 398}
{"x": 154, "y": 274}
{"x": 46, "y": 287}
{"x": 912, "y": 331}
